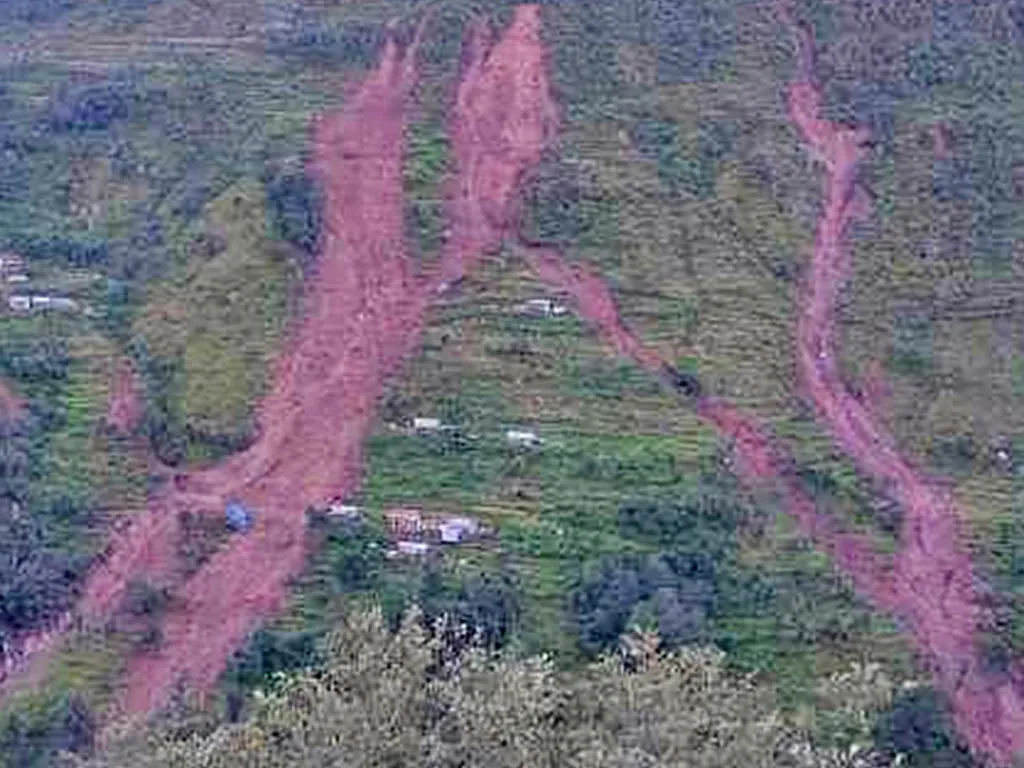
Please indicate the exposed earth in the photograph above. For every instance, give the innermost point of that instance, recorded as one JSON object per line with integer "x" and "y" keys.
{"x": 364, "y": 316}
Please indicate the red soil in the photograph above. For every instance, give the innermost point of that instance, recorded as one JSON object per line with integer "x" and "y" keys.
{"x": 11, "y": 406}
{"x": 940, "y": 141}
{"x": 760, "y": 458}
{"x": 930, "y": 582}
{"x": 934, "y": 585}
{"x": 364, "y": 316}
{"x": 124, "y": 412}
{"x": 875, "y": 391}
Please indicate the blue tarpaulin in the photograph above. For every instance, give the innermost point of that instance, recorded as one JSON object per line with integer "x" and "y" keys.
{"x": 238, "y": 517}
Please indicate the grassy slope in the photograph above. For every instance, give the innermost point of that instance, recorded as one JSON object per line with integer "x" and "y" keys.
{"x": 222, "y": 317}
{"x": 709, "y": 280}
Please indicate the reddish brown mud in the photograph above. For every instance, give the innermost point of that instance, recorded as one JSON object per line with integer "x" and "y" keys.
{"x": 364, "y": 316}
{"x": 934, "y": 586}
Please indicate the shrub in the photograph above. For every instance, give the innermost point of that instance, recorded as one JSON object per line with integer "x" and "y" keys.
{"x": 919, "y": 726}
{"x": 294, "y": 203}
{"x": 384, "y": 698}
{"x": 33, "y": 739}
{"x": 37, "y": 580}
{"x": 268, "y": 652}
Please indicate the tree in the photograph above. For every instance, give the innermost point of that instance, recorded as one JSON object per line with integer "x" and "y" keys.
{"x": 919, "y": 726}
{"x": 383, "y": 699}
{"x": 31, "y": 738}
{"x": 37, "y": 580}
{"x": 294, "y": 204}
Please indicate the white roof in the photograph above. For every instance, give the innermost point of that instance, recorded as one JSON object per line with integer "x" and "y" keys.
{"x": 344, "y": 510}
{"x": 522, "y": 435}
{"x": 547, "y": 306}
{"x": 461, "y": 522}
{"x": 413, "y": 547}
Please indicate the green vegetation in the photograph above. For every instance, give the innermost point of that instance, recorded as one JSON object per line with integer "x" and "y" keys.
{"x": 179, "y": 180}
{"x": 218, "y": 324}
{"x": 43, "y": 515}
{"x": 408, "y": 699}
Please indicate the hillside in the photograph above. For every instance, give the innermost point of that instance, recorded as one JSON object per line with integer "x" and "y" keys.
{"x": 699, "y": 317}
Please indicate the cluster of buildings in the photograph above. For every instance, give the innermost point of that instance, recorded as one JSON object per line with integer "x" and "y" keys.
{"x": 414, "y": 532}
{"x": 13, "y": 268}
{"x": 14, "y": 272}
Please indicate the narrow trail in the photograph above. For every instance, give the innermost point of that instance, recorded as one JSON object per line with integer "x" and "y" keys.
{"x": 11, "y": 405}
{"x": 761, "y": 459}
{"x": 933, "y": 584}
{"x": 930, "y": 583}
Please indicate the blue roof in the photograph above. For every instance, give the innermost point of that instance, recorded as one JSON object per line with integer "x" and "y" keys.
{"x": 238, "y": 517}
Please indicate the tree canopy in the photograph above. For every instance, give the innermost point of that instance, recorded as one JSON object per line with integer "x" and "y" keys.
{"x": 397, "y": 699}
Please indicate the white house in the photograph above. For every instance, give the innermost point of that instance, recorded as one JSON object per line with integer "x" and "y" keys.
{"x": 26, "y": 303}
{"x": 523, "y": 437}
{"x": 542, "y": 308}
{"x": 12, "y": 263}
{"x": 414, "y": 548}
{"x": 454, "y": 530}
{"x": 20, "y": 303}
{"x": 425, "y": 424}
{"x": 344, "y": 511}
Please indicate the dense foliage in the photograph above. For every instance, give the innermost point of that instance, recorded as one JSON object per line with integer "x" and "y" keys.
{"x": 383, "y": 699}
{"x": 39, "y": 568}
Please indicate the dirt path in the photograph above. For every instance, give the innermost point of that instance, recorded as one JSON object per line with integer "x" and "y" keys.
{"x": 930, "y": 583}
{"x": 365, "y": 315}
{"x": 761, "y": 460}
{"x": 12, "y": 405}
{"x": 934, "y": 585}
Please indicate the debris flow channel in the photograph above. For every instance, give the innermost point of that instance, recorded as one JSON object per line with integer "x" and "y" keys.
{"x": 364, "y": 315}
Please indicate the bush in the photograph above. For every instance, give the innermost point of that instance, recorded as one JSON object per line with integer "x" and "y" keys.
{"x": 145, "y": 599}
{"x": 954, "y": 454}
{"x": 356, "y": 559}
{"x": 33, "y": 739}
{"x": 490, "y": 605}
{"x": 89, "y": 109}
{"x": 294, "y": 203}
{"x": 35, "y": 360}
{"x": 268, "y": 652}
{"x": 383, "y": 698}
{"x": 63, "y": 250}
{"x": 919, "y": 726}
{"x": 142, "y": 613}
{"x": 37, "y": 580}
{"x": 676, "y": 590}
